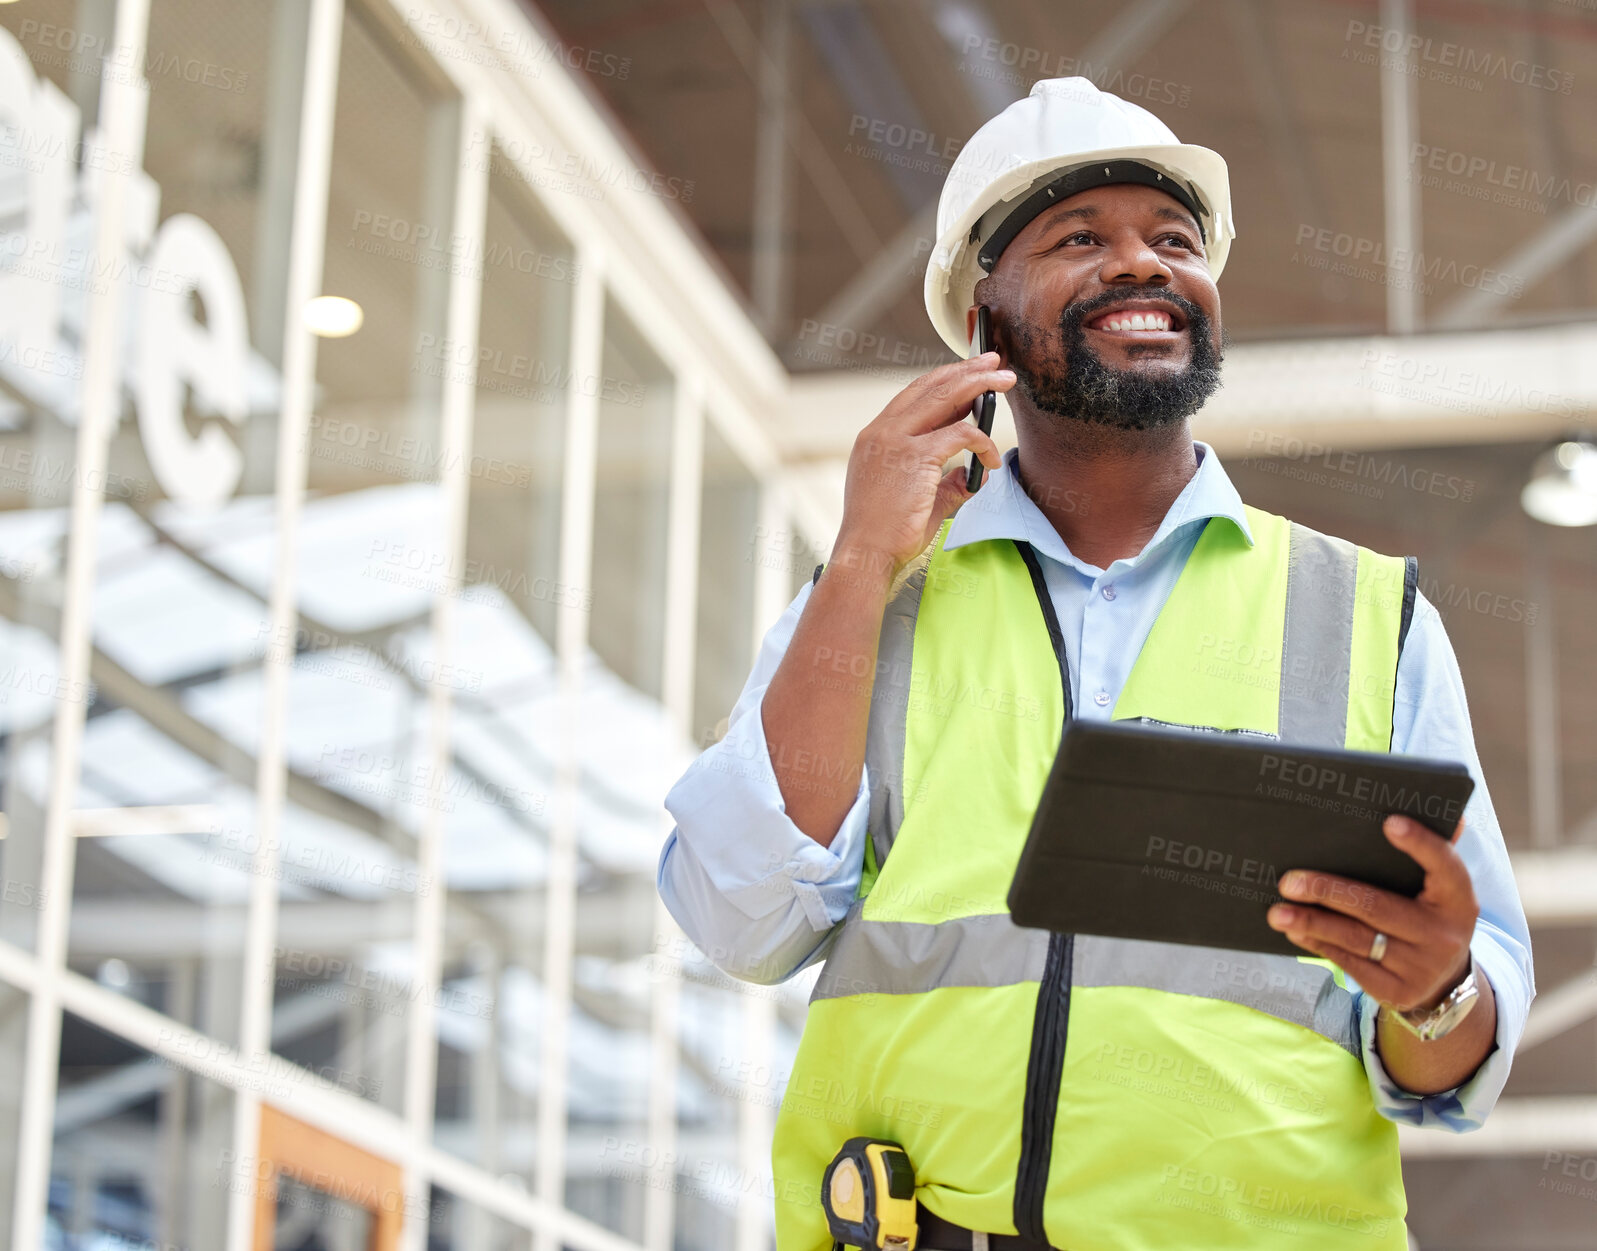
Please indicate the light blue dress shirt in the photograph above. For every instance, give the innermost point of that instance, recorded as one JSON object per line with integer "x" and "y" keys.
{"x": 762, "y": 900}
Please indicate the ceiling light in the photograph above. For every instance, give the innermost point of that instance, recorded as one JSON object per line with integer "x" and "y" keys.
{"x": 1562, "y": 490}
{"x": 333, "y": 317}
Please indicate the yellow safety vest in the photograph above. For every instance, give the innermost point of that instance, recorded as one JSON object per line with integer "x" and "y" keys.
{"x": 1089, "y": 1093}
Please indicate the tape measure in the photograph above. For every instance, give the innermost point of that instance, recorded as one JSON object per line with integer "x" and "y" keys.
{"x": 868, "y": 1192}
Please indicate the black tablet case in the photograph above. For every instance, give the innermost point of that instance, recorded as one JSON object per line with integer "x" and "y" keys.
{"x": 1181, "y": 837}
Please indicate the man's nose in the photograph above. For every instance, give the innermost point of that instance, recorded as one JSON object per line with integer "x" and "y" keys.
{"x": 1134, "y": 263}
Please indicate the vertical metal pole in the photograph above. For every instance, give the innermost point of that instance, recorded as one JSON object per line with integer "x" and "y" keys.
{"x": 571, "y": 645}
{"x": 307, "y": 244}
{"x": 681, "y": 614}
{"x": 124, "y": 102}
{"x": 1399, "y": 125}
{"x": 468, "y": 221}
{"x": 769, "y": 278}
{"x": 1541, "y": 701}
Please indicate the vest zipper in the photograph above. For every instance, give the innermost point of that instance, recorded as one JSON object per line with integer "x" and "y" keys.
{"x": 1050, "y": 1029}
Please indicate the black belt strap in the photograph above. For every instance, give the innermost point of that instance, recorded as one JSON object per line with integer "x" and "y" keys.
{"x": 936, "y": 1234}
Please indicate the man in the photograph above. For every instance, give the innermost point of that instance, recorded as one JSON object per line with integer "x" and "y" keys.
{"x": 880, "y": 770}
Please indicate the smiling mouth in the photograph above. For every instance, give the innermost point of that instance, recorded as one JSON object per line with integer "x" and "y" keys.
{"x": 1137, "y": 321}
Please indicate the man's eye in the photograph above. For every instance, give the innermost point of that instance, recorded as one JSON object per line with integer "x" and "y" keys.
{"x": 1081, "y": 236}
{"x": 1181, "y": 240}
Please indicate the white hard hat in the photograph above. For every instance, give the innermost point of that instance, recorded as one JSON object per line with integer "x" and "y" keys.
{"x": 1065, "y": 137}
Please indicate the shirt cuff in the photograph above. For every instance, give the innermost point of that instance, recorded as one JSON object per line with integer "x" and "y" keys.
{"x": 1466, "y": 1106}
{"x": 730, "y": 814}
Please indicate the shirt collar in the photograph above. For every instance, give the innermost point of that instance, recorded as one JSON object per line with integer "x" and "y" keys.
{"x": 1003, "y": 510}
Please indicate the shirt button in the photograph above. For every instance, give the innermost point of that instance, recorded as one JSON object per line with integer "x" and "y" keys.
{"x": 1109, "y": 592}
{"x": 1101, "y": 699}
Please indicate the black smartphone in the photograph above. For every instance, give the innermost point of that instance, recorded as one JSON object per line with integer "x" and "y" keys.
{"x": 987, "y": 402}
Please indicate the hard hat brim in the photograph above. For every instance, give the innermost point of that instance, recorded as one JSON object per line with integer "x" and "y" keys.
{"x": 952, "y": 271}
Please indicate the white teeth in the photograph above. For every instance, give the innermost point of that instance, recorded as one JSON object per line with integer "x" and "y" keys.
{"x": 1138, "y": 321}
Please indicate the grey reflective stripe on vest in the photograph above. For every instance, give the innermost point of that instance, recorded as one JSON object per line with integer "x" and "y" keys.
{"x": 911, "y": 958}
{"x": 886, "y": 730}
{"x": 1317, "y": 644}
{"x": 1283, "y": 986}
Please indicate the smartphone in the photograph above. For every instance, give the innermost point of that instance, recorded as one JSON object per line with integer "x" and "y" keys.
{"x": 987, "y": 402}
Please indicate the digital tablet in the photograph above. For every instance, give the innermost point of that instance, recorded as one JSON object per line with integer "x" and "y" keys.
{"x": 1181, "y": 837}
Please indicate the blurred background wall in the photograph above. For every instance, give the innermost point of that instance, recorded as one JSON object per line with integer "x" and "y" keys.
{"x": 412, "y": 413}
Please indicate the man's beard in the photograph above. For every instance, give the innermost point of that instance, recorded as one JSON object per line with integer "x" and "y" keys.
{"x": 1086, "y": 389}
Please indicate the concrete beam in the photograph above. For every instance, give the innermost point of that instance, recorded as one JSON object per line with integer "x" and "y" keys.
{"x": 1526, "y": 1126}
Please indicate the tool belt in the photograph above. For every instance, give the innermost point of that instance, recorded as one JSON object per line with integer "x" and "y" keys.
{"x": 936, "y": 1234}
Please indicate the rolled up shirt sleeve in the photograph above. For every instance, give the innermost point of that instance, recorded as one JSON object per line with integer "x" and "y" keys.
{"x": 757, "y": 895}
{"x": 1431, "y": 718}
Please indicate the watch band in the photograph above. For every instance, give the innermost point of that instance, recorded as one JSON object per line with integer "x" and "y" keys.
{"x": 1429, "y": 1024}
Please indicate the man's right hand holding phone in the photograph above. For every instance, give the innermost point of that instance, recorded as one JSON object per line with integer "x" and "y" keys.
{"x": 896, "y": 496}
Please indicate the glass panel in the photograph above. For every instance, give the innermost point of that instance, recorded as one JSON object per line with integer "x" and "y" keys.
{"x": 629, "y": 754}
{"x": 315, "y": 1220}
{"x": 13, "y": 1049}
{"x": 715, "y": 1066}
{"x": 177, "y": 602}
{"x": 47, "y": 98}
{"x": 629, "y": 517}
{"x": 143, "y": 1150}
{"x": 728, "y": 526}
{"x": 496, "y": 835}
{"x": 370, "y": 558}
{"x": 456, "y": 1224}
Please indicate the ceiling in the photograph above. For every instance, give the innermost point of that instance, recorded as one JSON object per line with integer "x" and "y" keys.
{"x": 879, "y": 95}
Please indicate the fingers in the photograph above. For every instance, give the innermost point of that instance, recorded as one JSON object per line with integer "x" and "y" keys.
{"x": 944, "y": 395}
{"x": 951, "y": 493}
{"x": 1377, "y": 979}
{"x": 1445, "y": 874}
{"x": 1392, "y": 914}
{"x": 954, "y": 439}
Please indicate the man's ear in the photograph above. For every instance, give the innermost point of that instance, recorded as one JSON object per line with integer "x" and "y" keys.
{"x": 970, "y": 322}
